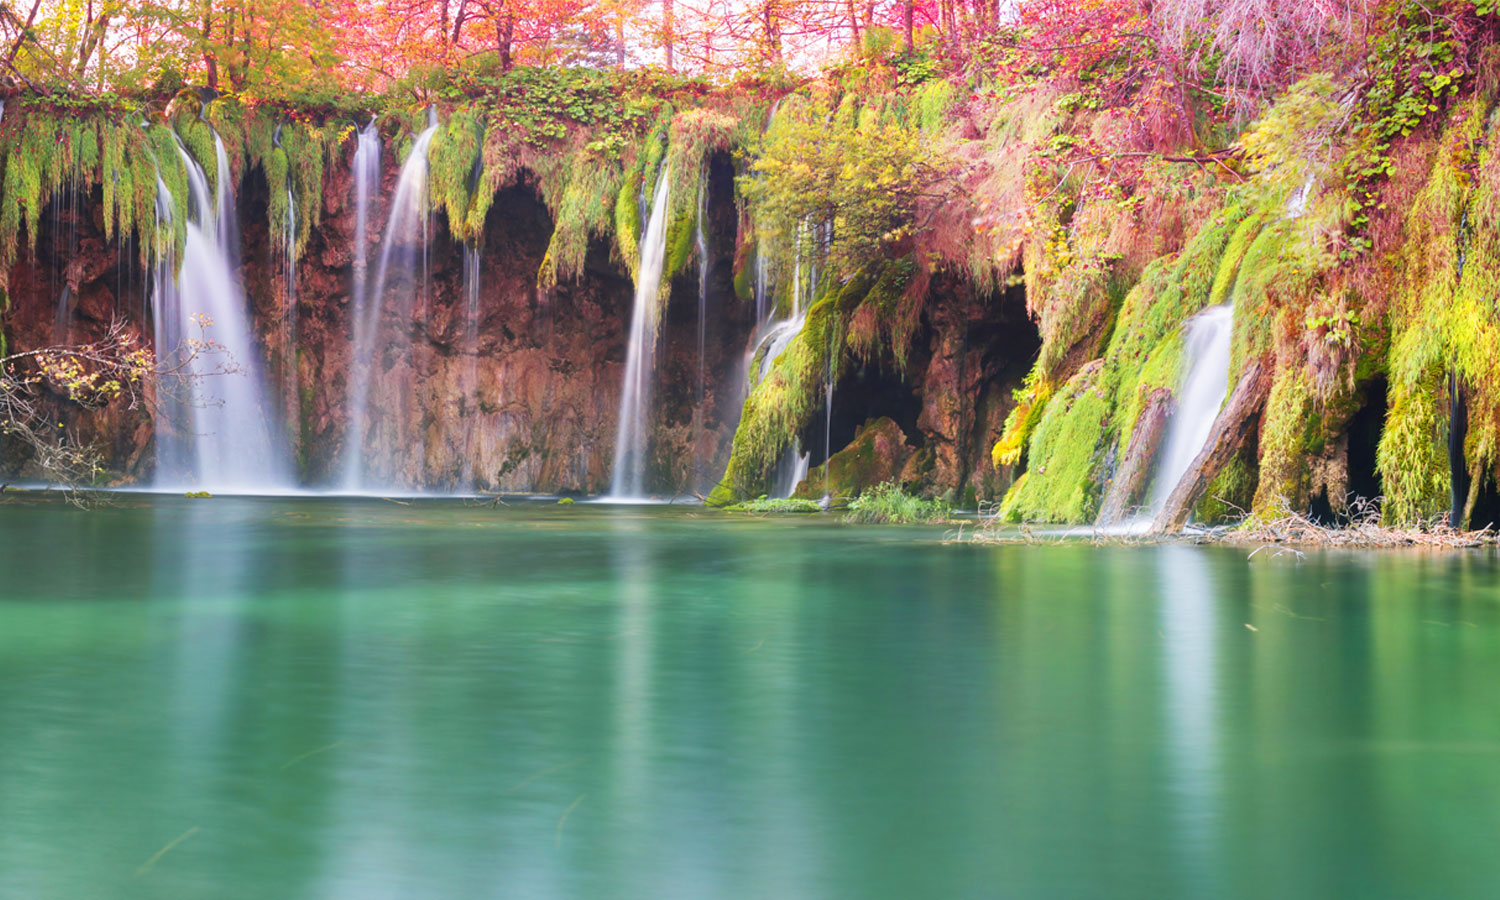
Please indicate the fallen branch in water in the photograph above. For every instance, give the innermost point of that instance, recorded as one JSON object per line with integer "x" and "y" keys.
{"x": 1276, "y": 533}
{"x": 1363, "y": 530}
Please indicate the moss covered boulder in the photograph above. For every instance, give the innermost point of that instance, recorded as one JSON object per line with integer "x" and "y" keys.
{"x": 877, "y": 454}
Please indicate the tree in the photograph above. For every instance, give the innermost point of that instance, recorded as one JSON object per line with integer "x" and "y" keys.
{"x": 111, "y": 370}
{"x": 116, "y": 370}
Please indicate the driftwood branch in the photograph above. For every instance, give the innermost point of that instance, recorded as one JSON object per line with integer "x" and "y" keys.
{"x": 1131, "y": 477}
{"x": 1225, "y": 438}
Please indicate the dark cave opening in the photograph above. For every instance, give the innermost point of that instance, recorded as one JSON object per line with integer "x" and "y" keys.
{"x": 1364, "y": 442}
{"x": 865, "y": 393}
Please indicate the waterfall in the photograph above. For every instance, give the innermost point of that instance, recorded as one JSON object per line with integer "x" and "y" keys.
{"x": 827, "y": 432}
{"x": 770, "y": 342}
{"x": 700, "y": 241}
{"x": 1205, "y": 383}
{"x": 404, "y": 244}
{"x": 366, "y": 172}
{"x": 220, "y": 432}
{"x": 790, "y": 471}
{"x": 289, "y": 311}
{"x": 288, "y": 336}
{"x": 631, "y": 438}
{"x": 470, "y": 403}
{"x": 762, "y": 283}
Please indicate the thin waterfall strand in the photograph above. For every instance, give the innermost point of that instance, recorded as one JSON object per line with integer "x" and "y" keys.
{"x": 404, "y": 245}
{"x": 470, "y": 403}
{"x": 633, "y": 432}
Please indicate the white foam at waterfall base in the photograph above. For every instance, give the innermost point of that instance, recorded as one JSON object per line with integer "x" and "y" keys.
{"x": 791, "y": 470}
{"x": 1205, "y": 383}
{"x": 633, "y": 430}
{"x": 220, "y": 430}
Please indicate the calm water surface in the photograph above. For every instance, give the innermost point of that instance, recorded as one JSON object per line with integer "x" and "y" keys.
{"x": 358, "y": 699}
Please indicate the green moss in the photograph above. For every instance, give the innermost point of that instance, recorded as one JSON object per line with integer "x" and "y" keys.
{"x": 681, "y": 230}
{"x": 198, "y": 138}
{"x": 782, "y": 404}
{"x": 636, "y": 185}
{"x": 1229, "y": 495}
{"x": 1144, "y": 353}
{"x": 453, "y": 169}
{"x": 875, "y": 455}
{"x": 1412, "y": 456}
{"x": 583, "y": 211}
{"x": 1285, "y": 442}
{"x": 1161, "y": 369}
{"x": 744, "y": 279}
{"x": 694, "y": 136}
{"x": 1443, "y": 320}
{"x": 1059, "y": 485}
{"x": 763, "y": 505}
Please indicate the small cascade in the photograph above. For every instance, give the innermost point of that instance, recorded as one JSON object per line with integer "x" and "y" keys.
{"x": 772, "y": 342}
{"x": 288, "y": 325}
{"x": 790, "y": 471}
{"x": 827, "y": 432}
{"x": 633, "y": 432}
{"x": 61, "y": 277}
{"x": 470, "y": 403}
{"x": 1205, "y": 383}
{"x": 366, "y": 172}
{"x": 62, "y": 317}
{"x": 220, "y": 432}
{"x": 289, "y": 283}
{"x": 762, "y": 283}
{"x": 773, "y": 339}
{"x": 700, "y": 242}
{"x": 397, "y": 274}
{"x": 764, "y": 302}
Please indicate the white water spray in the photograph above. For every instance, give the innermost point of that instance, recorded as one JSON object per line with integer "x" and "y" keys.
{"x": 1205, "y": 383}
{"x": 220, "y": 435}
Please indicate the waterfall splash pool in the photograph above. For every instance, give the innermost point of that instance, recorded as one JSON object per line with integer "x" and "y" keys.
{"x": 354, "y": 698}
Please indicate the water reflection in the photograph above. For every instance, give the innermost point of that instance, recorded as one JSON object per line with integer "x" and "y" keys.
{"x": 1189, "y": 639}
{"x": 358, "y": 699}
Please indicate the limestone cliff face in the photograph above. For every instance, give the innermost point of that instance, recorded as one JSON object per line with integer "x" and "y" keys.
{"x": 531, "y": 405}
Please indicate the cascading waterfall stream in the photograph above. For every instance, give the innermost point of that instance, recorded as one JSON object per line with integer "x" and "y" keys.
{"x": 404, "y": 246}
{"x": 470, "y": 386}
{"x": 1205, "y": 383}
{"x": 288, "y": 336}
{"x": 633, "y": 432}
{"x": 366, "y": 172}
{"x": 1208, "y": 339}
{"x": 770, "y": 342}
{"x": 220, "y": 434}
{"x": 700, "y": 242}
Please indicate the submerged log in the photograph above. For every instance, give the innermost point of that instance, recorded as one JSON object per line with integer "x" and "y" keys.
{"x": 1224, "y": 440}
{"x": 1134, "y": 472}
